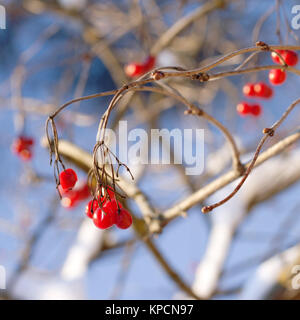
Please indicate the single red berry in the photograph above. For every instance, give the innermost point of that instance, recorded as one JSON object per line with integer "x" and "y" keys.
{"x": 275, "y": 57}
{"x": 133, "y": 70}
{"x": 248, "y": 90}
{"x": 91, "y": 207}
{"x": 149, "y": 63}
{"x": 243, "y": 108}
{"x": 123, "y": 219}
{"x": 256, "y": 110}
{"x": 103, "y": 220}
{"x": 70, "y": 199}
{"x": 112, "y": 206}
{"x": 262, "y": 90}
{"x": 68, "y": 179}
{"x": 277, "y": 76}
{"x": 290, "y": 57}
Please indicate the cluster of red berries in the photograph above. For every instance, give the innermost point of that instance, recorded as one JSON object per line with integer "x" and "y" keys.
{"x": 261, "y": 89}
{"x": 244, "y": 108}
{"x": 109, "y": 213}
{"x": 22, "y": 147}
{"x": 135, "y": 69}
{"x": 290, "y": 57}
{"x": 105, "y": 211}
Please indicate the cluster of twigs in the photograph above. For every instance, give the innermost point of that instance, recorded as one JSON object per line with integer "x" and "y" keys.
{"x": 101, "y": 171}
{"x": 101, "y": 151}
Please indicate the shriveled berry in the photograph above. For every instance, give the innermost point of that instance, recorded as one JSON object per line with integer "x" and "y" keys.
{"x": 123, "y": 219}
{"x": 262, "y": 90}
{"x": 68, "y": 179}
{"x": 243, "y": 108}
{"x": 277, "y": 76}
{"x": 103, "y": 220}
{"x": 248, "y": 90}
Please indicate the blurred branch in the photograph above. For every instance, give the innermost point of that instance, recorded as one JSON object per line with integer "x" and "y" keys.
{"x": 166, "y": 38}
{"x": 225, "y": 179}
{"x": 84, "y": 160}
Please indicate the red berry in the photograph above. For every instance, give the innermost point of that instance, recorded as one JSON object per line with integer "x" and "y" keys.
{"x": 123, "y": 219}
{"x": 149, "y": 63}
{"x": 70, "y": 199}
{"x": 277, "y": 76}
{"x": 243, "y": 108}
{"x": 248, "y": 90}
{"x": 134, "y": 70}
{"x": 83, "y": 192}
{"x": 256, "y": 110}
{"x": 275, "y": 57}
{"x": 91, "y": 207}
{"x": 290, "y": 57}
{"x": 262, "y": 90}
{"x": 108, "y": 195}
{"x": 68, "y": 179}
{"x": 111, "y": 207}
{"x": 103, "y": 220}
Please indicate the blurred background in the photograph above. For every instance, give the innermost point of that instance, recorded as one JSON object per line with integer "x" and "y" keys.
{"x": 54, "y": 51}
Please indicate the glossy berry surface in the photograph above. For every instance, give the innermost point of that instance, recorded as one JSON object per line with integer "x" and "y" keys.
{"x": 243, "y": 108}
{"x": 133, "y": 70}
{"x": 68, "y": 179}
{"x": 104, "y": 220}
{"x": 248, "y": 90}
{"x": 277, "y": 76}
{"x": 91, "y": 208}
{"x": 111, "y": 207}
{"x": 262, "y": 90}
{"x": 123, "y": 219}
{"x": 256, "y": 110}
{"x": 108, "y": 195}
{"x": 290, "y": 57}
